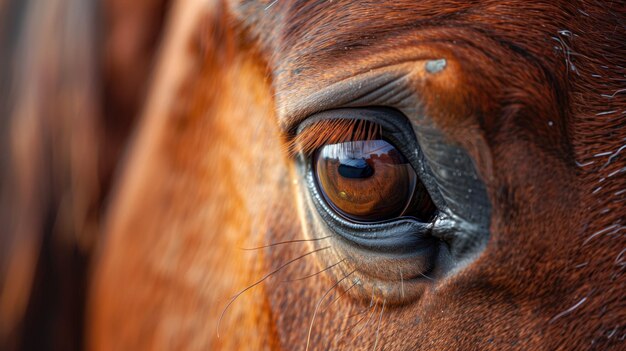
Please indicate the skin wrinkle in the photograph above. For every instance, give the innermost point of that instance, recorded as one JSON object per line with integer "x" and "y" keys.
{"x": 507, "y": 97}
{"x": 343, "y": 93}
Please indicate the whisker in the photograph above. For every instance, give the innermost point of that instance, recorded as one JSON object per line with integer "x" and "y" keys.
{"x": 319, "y": 302}
{"x": 401, "y": 284}
{"x": 338, "y": 297}
{"x": 362, "y": 328}
{"x": 283, "y": 243}
{"x": 379, "y": 322}
{"x": 314, "y": 274}
{"x": 359, "y": 321}
{"x": 366, "y": 309}
{"x": 232, "y": 299}
{"x": 369, "y": 307}
{"x": 427, "y": 277}
{"x": 345, "y": 332}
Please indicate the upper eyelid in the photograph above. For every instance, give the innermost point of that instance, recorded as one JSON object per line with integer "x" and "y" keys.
{"x": 295, "y": 107}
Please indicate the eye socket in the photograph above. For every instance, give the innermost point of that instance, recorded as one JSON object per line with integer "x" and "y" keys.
{"x": 366, "y": 172}
{"x": 370, "y": 181}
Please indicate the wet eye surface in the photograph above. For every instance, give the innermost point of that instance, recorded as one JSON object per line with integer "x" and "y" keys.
{"x": 370, "y": 181}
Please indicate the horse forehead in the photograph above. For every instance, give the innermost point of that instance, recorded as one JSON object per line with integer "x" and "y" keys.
{"x": 309, "y": 44}
{"x": 291, "y": 30}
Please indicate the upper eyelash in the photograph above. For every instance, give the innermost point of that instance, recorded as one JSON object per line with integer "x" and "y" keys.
{"x": 333, "y": 131}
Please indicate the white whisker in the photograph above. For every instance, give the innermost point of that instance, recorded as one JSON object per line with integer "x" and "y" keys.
{"x": 569, "y": 310}
{"x": 380, "y": 319}
{"x": 319, "y": 302}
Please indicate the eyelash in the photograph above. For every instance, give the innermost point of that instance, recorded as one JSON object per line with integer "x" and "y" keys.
{"x": 332, "y": 131}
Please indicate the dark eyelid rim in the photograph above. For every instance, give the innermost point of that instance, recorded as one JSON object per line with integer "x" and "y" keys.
{"x": 398, "y": 131}
{"x": 402, "y": 235}
{"x": 465, "y": 230}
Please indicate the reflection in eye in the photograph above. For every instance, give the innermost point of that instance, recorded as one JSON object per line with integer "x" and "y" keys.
{"x": 370, "y": 181}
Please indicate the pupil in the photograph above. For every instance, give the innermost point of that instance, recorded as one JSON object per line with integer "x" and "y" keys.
{"x": 355, "y": 169}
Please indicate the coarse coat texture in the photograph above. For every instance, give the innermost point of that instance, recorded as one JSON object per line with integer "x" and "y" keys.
{"x": 532, "y": 91}
{"x": 535, "y": 91}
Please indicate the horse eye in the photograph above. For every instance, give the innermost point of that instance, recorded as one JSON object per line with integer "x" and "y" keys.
{"x": 370, "y": 181}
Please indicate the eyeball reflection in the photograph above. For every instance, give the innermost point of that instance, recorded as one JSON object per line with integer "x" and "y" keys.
{"x": 369, "y": 181}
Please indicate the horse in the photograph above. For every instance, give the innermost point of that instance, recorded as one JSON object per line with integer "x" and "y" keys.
{"x": 319, "y": 175}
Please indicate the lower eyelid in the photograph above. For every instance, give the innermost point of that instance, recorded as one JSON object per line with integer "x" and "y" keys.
{"x": 388, "y": 259}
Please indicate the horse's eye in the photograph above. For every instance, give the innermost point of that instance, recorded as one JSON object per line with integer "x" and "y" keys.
{"x": 370, "y": 181}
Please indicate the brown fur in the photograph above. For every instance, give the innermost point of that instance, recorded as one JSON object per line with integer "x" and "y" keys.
{"x": 533, "y": 90}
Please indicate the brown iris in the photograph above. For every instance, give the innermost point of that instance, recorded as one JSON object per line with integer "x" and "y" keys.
{"x": 370, "y": 181}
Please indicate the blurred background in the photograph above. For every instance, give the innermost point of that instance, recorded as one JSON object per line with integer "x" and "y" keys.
{"x": 73, "y": 77}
